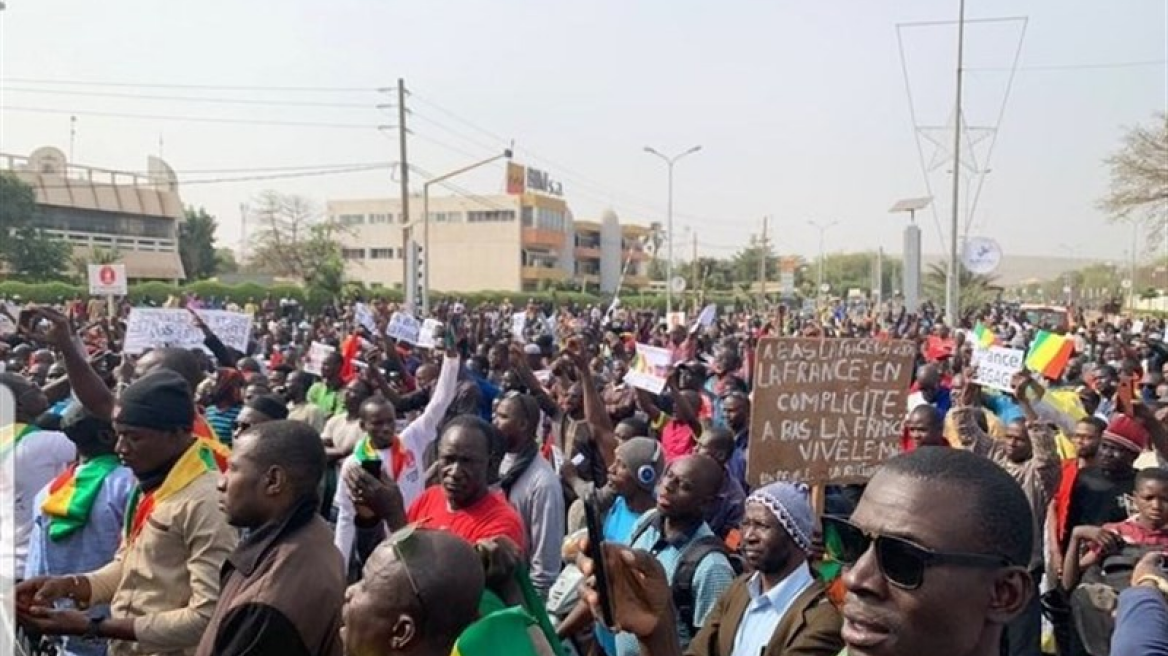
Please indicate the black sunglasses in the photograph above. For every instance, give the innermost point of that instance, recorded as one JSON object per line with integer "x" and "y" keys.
{"x": 902, "y": 562}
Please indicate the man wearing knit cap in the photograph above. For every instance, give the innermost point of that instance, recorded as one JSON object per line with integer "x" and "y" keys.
{"x": 163, "y": 583}
{"x": 780, "y": 608}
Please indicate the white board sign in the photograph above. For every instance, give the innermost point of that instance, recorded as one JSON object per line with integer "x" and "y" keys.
{"x": 707, "y": 316}
{"x": 107, "y": 280}
{"x": 996, "y": 365}
{"x": 156, "y": 328}
{"x": 403, "y": 327}
{"x": 364, "y": 317}
{"x": 316, "y": 355}
{"x": 518, "y": 325}
{"x": 426, "y": 334}
{"x": 649, "y": 369}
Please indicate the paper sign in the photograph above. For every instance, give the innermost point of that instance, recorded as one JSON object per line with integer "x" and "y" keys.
{"x": 1137, "y": 327}
{"x": 996, "y": 365}
{"x": 674, "y": 319}
{"x": 315, "y": 358}
{"x": 518, "y": 325}
{"x": 403, "y": 327}
{"x": 826, "y": 410}
{"x": 157, "y": 328}
{"x": 707, "y": 316}
{"x": 649, "y": 368}
{"x": 107, "y": 279}
{"x": 426, "y": 334}
{"x": 364, "y": 317}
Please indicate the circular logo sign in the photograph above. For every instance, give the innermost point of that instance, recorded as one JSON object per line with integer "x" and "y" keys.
{"x": 981, "y": 255}
{"x": 107, "y": 275}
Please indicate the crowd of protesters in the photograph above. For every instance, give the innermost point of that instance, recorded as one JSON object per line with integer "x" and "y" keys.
{"x": 394, "y": 499}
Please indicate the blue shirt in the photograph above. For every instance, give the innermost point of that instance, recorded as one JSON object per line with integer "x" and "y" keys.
{"x": 85, "y": 550}
{"x": 618, "y": 528}
{"x": 766, "y": 610}
{"x": 1141, "y": 624}
{"x": 712, "y": 577}
{"x": 223, "y": 422}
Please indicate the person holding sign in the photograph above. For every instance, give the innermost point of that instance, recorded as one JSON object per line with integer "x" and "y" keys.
{"x": 1030, "y": 456}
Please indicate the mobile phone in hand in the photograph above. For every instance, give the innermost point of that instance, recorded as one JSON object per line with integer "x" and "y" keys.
{"x": 372, "y": 467}
{"x": 596, "y": 553}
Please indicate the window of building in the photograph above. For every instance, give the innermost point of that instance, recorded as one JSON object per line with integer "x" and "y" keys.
{"x": 353, "y": 253}
{"x": 546, "y": 219}
{"x": 69, "y": 219}
{"x": 381, "y": 253}
{"x": 490, "y": 216}
{"x": 528, "y": 216}
{"x": 352, "y": 219}
{"x": 380, "y": 218}
{"x": 446, "y": 217}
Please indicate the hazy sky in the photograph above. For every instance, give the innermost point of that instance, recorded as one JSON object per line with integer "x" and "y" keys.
{"x": 801, "y": 106}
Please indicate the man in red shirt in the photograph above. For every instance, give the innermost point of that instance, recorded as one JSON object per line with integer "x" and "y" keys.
{"x": 463, "y": 502}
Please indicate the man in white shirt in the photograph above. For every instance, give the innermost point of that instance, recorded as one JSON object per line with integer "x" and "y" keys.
{"x": 29, "y": 458}
{"x": 400, "y": 456}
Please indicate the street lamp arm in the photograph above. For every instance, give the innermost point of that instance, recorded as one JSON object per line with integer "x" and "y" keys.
{"x": 469, "y": 167}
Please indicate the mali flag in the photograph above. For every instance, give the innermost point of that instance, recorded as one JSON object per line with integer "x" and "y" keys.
{"x": 1049, "y": 354}
{"x": 71, "y": 495}
{"x": 983, "y": 337}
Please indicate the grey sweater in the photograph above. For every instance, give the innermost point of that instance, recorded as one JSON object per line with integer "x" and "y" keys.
{"x": 539, "y": 498}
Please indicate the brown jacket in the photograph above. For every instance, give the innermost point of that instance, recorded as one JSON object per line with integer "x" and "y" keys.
{"x": 167, "y": 580}
{"x": 811, "y": 627}
{"x": 282, "y": 592}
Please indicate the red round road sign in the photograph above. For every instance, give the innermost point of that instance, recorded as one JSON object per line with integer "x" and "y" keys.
{"x": 107, "y": 275}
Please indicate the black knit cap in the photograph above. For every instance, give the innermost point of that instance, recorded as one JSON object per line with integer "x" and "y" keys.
{"x": 270, "y": 405}
{"x": 160, "y": 400}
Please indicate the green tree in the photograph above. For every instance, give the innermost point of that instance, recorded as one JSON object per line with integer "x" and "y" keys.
{"x": 196, "y": 243}
{"x": 845, "y": 271}
{"x": 32, "y": 254}
{"x": 294, "y": 241}
{"x": 225, "y": 261}
{"x": 976, "y": 290}
{"x": 746, "y": 262}
{"x": 98, "y": 255}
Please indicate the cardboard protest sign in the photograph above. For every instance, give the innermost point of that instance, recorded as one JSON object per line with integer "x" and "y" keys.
{"x": 426, "y": 333}
{"x": 404, "y": 328}
{"x": 996, "y": 365}
{"x": 157, "y": 328}
{"x": 649, "y": 368}
{"x": 706, "y": 317}
{"x": 315, "y": 358}
{"x": 826, "y": 410}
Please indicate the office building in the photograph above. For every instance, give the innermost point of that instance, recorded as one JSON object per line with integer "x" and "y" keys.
{"x": 137, "y": 215}
{"x": 507, "y": 242}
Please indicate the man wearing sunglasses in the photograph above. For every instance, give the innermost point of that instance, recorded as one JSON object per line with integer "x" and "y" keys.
{"x": 1029, "y": 455}
{"x": 935, "y": 557}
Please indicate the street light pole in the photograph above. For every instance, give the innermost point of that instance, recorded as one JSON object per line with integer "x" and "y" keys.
{"x": 952, "y": 284}
{"x": 426, "y": 220}
{"x": 823, "y": 228}
{"x": 670, "y": 161}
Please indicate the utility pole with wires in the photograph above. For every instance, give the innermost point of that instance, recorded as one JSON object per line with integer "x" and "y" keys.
{"x": 696, "y": 282}
{"x": 410, "y": 259}
{"x": 764, "y": 253}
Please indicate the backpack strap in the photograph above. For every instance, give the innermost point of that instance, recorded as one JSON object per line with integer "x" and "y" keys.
{"x": 683, "y": 577}
{"x": 649, "y": 519}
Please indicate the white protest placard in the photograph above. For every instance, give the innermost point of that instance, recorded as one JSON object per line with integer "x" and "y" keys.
{"x": 426, "y": 334}
{"x": 158, "y": 327}
{"x": 649, "y": 368}
{"x": 674, "y": 319}
{"x": 706, "y": 317}
{"x": 403, "y": 327}
{"x": 996, "y": 365}
{"x": 316, "y": 355}
{"x": 518, "y": 325}
{"x": 107, "y": 280}
{"x": 1137, "y": 327}
{"x": 364, "y": 317}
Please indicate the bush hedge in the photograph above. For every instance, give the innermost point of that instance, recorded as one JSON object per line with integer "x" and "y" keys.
{"x": 156, "y": 293}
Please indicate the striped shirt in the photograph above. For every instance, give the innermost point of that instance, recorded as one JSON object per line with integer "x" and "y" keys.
{"x": 223, "y": 422}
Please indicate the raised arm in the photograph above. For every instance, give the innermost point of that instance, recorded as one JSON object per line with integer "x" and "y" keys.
{"x": 594, "y": 412}
{"x": 86, "y": 383}
{"x": 527, "y": 376}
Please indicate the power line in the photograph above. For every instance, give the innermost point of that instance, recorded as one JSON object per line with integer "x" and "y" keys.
{"x": 191, "y": 119}
{"x": 1070, "y": 67}
{"x": 253, "y": 178}
{"x": 213, "y": 87}
{"x": 219, "y": 101}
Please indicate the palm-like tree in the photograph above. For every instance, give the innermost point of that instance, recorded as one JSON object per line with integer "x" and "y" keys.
{"x": 976, "y": 289}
